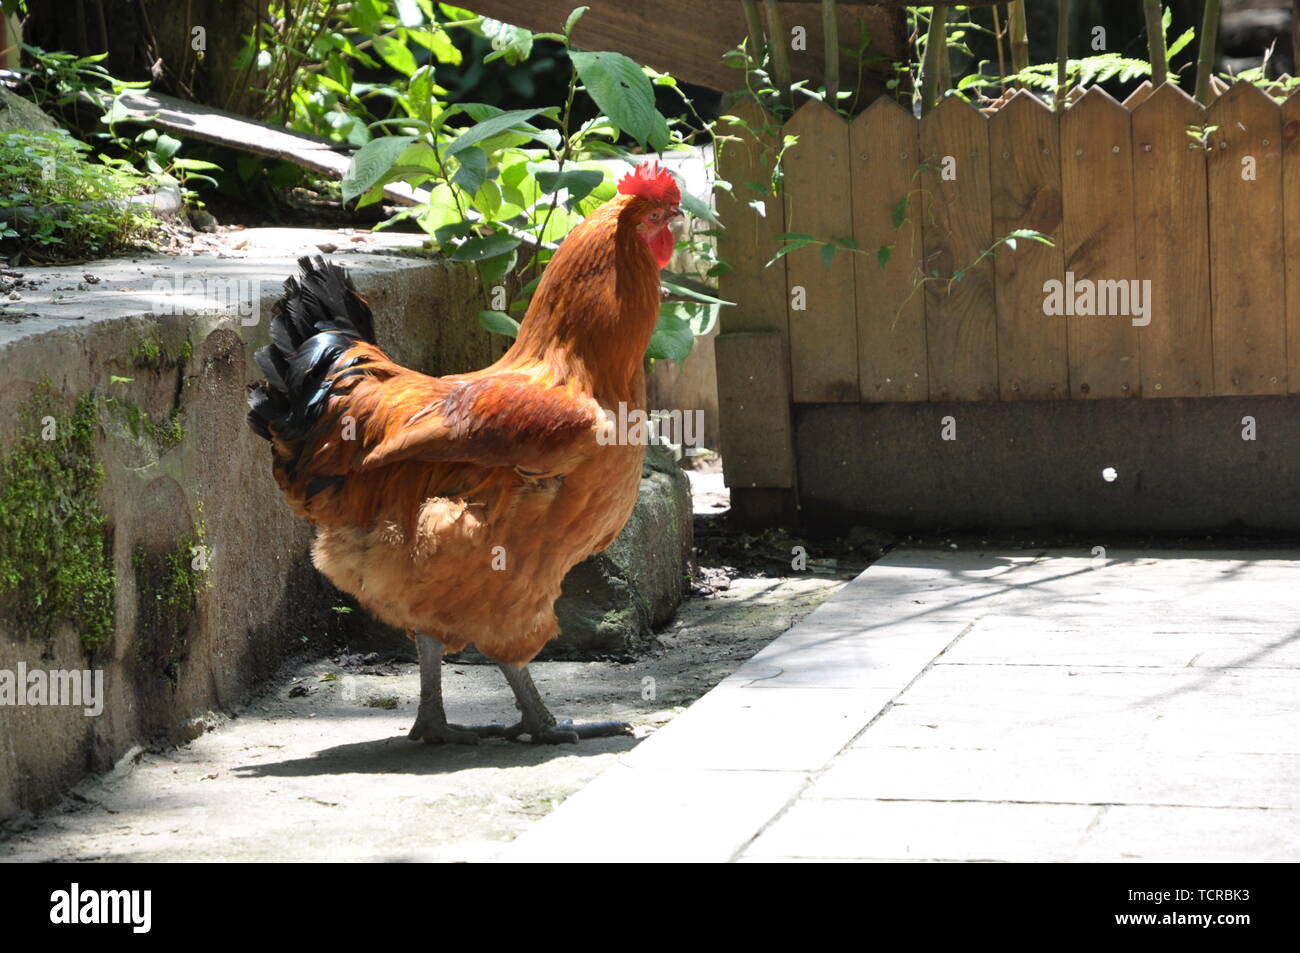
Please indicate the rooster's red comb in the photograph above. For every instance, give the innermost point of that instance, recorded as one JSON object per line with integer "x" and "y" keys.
{"x": 651, "y": 181}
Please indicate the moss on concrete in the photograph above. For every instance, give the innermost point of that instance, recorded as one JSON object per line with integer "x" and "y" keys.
{"x": 148, "y": 352}
{"x": 55, "y": 560}
{"x": 168, "y": 584}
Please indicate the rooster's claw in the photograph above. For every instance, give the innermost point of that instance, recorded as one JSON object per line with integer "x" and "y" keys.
{"x": 434, "y": 734}
{"x": 567, "y": 732}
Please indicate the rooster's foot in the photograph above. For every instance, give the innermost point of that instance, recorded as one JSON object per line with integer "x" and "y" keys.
{"x": 431, "y": 725}
{"x": 435, "y": 733}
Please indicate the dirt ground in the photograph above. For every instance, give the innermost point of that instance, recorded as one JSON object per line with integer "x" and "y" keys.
{"x": 319, "y": 767}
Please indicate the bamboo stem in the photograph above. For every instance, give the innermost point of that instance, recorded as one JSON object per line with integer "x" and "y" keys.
{"x": 831, "y": 40}
{"x": 1155, "y": 41}
{"x": 1205, "y": 53}
{"x": 756, "y": 41}
{"x": 1062, "y": 52}
{"x": 998, "y": 33}
{"x": 780, "y": 57}
{"x": 936, "y": 47}
{"x": 1019, "y": 35}
{"x": 1295, "y": 37}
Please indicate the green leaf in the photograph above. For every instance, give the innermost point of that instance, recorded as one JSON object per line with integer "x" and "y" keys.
{"x": 673, "y": 336}
{"x": 502, "y": 122}
{"x": 473, "y": 169}
{"x": 682, "y": 291}
{"x": 396, "y": 54}
{"x": 513, "y": 43}
{"x": 371, "y": 163}
{"x": 167, "y": 146}
{"x": 498, "y": 322}
{"x": 579, "y": 182}
{"x": 491, "y": 270}
{"x": 574, "y": 17}
{"x": 899, "y": 213}
{"x": 479, "y": 249}
{"x": 419, "y": 94}
{"x": 1177, "y": 46}
{"x": 624, "y": 94}
{"x": 195, "y": 165}
{"x": 883, "y": 253}
{"x": 828, "y": 253}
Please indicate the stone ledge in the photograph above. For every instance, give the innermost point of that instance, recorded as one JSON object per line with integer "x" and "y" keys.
{"x": 176, "y": 454}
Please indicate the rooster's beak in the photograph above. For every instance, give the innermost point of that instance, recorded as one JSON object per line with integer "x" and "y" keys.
{"x": 675, "y": 212}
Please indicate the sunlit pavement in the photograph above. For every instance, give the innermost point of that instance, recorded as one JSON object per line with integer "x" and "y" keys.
{"x": 1003, "y": 706}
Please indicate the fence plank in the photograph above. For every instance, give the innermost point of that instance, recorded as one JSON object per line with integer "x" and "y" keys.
{"x": 890, "y": 310}
{"x": 1173, "y": 245}
{"x": 1139, "y": 95}
{"x": 1025, "y": 179}
{"x": 754, "y": 404}
{"x": 1248, "y": 298}
{"x": 1291, "y": 235}
{"x": 747, "y": 244}
{"x": 749, "y": 240}
{"x": 961, "y": 319}
{"x": 823, "y": 332}
{"x": 1097, "y": 204}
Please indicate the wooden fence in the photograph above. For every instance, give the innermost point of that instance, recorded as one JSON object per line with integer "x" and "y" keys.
{"x": 1128, "y": 192}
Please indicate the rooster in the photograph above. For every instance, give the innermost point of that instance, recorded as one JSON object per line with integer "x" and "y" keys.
{"x": 452, "y": 507}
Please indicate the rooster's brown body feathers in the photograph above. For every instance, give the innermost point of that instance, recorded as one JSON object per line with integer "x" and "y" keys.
{"x": 454, "y": 506}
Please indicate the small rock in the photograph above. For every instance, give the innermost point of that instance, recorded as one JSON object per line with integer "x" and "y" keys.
{"x": 299, "y": 691}
{"x": 203, "y": 220}
{"x": 328, "y": 247}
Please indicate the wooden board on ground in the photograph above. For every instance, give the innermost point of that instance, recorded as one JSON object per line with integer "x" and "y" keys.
{"x": 821, "y": 301}
{"x": 1097, "y": 205}
{"x": 1173, "y": 242}
{"x": 248, "y": 135}
{"x": 1025, "y": 182}
{"x": 960, "y": 315}
{"x": 885, "y": 157}
{"x": 1246, "y": 258}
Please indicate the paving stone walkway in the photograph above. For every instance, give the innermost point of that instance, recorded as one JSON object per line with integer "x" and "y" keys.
{"x": 997, "y": 706}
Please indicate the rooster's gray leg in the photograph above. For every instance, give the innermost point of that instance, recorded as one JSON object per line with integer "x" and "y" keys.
{"x": 431, "y": 721}
{"x": 539, "y": 724}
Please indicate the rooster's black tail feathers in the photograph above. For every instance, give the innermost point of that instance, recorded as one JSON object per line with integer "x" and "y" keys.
{"x": 319, "y": 317}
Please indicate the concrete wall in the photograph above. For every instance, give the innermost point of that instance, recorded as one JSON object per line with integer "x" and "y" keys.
{"x": 264, "y": 600}
{"x": 1182, "y": 467}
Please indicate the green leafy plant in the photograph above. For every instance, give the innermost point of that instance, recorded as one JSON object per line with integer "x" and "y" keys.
{"x": 57, "y": 205}
{"x": 503, "y": 187}
{"x": 62, "y": 80}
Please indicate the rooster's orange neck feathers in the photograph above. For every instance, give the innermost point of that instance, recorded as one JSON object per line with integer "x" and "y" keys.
{"x": 595, "y": 308}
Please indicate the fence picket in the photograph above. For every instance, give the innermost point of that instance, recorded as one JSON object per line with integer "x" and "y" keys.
{"x": 1097, "y": 205}
{"x": 1026, "y": 193}
{"x": 961, "y": 317}
{"x": 823, "y": 332}
{"x": 1248, "y": 297}
{"x": 890, "y": 309}
{"x": 1173, "y": 245}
